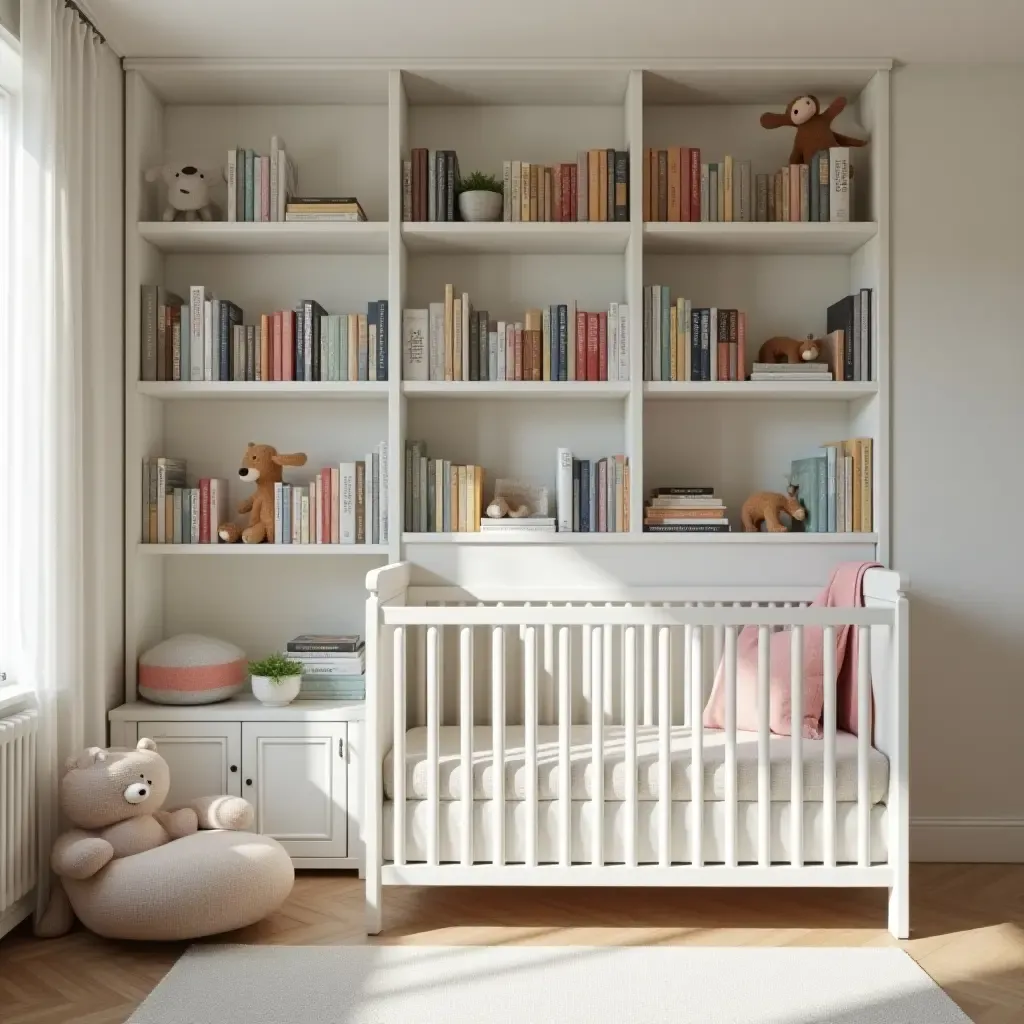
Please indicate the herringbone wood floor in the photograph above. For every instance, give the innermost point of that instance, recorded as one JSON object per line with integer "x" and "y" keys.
{"x": 968, "y": 923}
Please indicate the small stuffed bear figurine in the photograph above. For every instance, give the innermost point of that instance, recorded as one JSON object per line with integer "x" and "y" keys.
{"x": 261, "y": 464}
{"x": 765, "y": 506}
{"x": 188, "y": 190}
{"x": 789, "y": 350}
{"x": 813, "y": 127}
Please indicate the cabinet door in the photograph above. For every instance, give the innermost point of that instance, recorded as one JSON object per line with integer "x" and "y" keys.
{"x": 295, "y": 777}
{"x": 205, "y": 757}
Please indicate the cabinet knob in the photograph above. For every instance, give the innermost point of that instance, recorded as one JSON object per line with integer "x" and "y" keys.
{"x": 234, "y": 768}
{"x": 248, "y": 782}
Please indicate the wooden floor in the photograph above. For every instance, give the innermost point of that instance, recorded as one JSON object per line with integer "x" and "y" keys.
{"x": 968, "y": 923}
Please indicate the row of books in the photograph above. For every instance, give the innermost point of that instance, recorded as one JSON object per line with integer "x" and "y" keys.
{"x": 333, "y": 666}
{"x": 259, "y": 186}
{"x": 678, "y": 186}
{"x": 685, "y": 510}
{"x": 594, "y": 188}
{"x": 592, "y": 496}
{"x": 206, "y": 340}
{"x": 453, "y": 341}
{"x": 430, "y": 185}
{"x": 683, "y": 342}
{"x": 342, "y": 504}
{"x": 441, "y": 497}
{"x": 175, "y": 513}
{"x": 835, "y": 487}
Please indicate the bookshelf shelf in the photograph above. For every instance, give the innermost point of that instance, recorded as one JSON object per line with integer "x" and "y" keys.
{"x": 758, "y": 239}
{"x": 223, "y": 237}
{"x": 515, "y": 390}
{"x": 519, "y": 239}
{"x": 759, "y": 391}
{"x": 263, "y": 550}
{"x": 531, "y": 539}
{"x": 637, "y": 539}
{"x": 264, "y": 390}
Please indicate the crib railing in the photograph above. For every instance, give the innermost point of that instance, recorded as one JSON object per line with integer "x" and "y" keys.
{"x": 622, "y": 664}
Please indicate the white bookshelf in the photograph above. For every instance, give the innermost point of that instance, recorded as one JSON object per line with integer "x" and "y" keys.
{"x": 347, "y": 125}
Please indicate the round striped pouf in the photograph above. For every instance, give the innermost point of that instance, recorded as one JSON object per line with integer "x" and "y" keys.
{"x": 191, "y": 669}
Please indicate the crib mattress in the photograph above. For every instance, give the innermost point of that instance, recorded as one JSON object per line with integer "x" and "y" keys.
{"x": 417, "y": 818}
{"x": 451, "y": 774}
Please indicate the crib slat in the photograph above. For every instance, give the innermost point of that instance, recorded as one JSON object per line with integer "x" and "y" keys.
{"x": 829, "y": 764}
{"x": 731, "y": 807}
{"x": 764, "y": 764}
{"x": 398, "y": 746}
{"x": 796, "y": 766}
{"x": 648, "y": 709}
{"x": 607, "y": 687}
{"x": 547, "y": 697}
{"x": 697, "y": 752}
{"x": 586, "y": 675}
{"x": 433, "y": 710}
{"x": 530, "y": 764}
{"x": 629, "y": 712}
{"x": 466, "y": 739}
{"x": 498, "y": 742}
{"x": 664, "y": 749}
{"x": 597, "y": 747}
{"x": 564, "y": 763}
{"x": 863, "y": 746}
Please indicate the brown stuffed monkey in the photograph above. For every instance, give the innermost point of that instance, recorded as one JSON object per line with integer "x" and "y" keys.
{"x": 813, "y": 127}
{"x": 261, "y": 464}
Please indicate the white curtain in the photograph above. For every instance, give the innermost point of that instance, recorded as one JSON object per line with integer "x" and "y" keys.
{"x": 62, "y": 395}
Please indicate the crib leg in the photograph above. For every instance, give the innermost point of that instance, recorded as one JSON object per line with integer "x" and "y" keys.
{"x": 899, "y": 909}
{"x": 374, "y": 900}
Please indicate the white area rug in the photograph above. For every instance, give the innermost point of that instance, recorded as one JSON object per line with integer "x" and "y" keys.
{"x": 545, "y": 985}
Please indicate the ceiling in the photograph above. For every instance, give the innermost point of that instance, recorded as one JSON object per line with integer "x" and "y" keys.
{"x": 906, "y": 30}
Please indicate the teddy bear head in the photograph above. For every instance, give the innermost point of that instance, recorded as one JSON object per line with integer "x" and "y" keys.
{"x": 102, "y": 787}
{"x": 188, "y": 186}
{"x": 261, "y": 462}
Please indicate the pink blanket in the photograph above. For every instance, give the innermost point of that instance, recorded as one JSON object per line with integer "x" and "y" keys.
{"x": 844, "y": 590}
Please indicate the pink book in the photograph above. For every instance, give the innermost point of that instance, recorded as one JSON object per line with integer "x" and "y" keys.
{"x": 741, "y": 347}
{"x": 264, "y": 188}
{"x": 684, "y": 184}
{"x": 275, "y": 347}
{"x": 287, "y": 344}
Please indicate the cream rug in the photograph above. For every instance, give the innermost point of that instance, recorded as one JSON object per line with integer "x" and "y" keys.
{"x": 545, "y": 985}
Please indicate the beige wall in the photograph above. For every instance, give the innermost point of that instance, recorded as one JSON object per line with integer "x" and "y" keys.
{"x": 958, "y": 445}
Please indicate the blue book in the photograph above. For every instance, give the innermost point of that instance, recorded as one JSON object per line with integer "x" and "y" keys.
{"x": 584, "y": 496}
{"x": 576, "y": 495}
{"x": 813, "y": 190}
{"x": 803, "y": 476}
{"x": 555, "y": 346}
{"x": 694, "y": 344}
{"x": 299, "y": 346}
{"x": 249, "y": 213}
{"x": 821, "y": 480}
{"x": 286, "y": 515}
{"x": 705, "y": 345}
{"x": 563, "y": 342}
{"x": 220, "y": 345}
{"x": 666, "y": 341}
{"x": 382, "y": 339}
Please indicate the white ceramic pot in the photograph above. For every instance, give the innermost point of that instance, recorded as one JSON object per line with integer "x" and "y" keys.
{"x": 480, "y": 206}
{"x": 276, "y": 694}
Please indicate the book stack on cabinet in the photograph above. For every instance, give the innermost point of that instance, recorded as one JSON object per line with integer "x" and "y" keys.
{"x": 333, "y": 666}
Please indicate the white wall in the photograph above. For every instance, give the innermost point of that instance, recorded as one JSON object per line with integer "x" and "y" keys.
{"x": 10, "y": 17}
{"x": 958, "y": 423}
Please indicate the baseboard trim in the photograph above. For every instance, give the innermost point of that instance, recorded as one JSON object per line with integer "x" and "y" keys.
{"x": 967, "y": 840}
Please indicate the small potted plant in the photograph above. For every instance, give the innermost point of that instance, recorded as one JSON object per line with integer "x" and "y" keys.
{"x": 276, "y": 680}
{"x": 480, "y": 197}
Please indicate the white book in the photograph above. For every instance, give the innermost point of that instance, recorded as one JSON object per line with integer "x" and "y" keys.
{"x": 196, "y": 297}
{"x": 232, "y": 180}
{"x": 278, "y": 513}
{"x": 506, "y": 191}
{"x": 563, "y": 490}
{"x": 368, "y": 498}
{"x": 656, "y": 332}
{"x": 623, "y": 336}
{"x": 687, "y": 339}
{"x": 713, "y": 356}
{"x": 209, "y": 330}
{"x": 275, "y": 176}
{"x": 285, "y": 182}
{"x": 467, "y": 312}
{"x": 333, "y": 668}
{"x": 492, "y": 355}
{"x": 257, "y": 189}
{"x": 515, "y": 202}
{"x": 432, "y": 187}
{"x": 499, "y": 344}
{"x": 194, "y": 503}
{"x": 415, "y": 332}
{"x": 839, "y": 184}
{"x": 692, "y": 521}
{"x": 176, "y": 516}
{"x": 347, "y": 502}
{"x": 613, "y": 341}
{"x": 383, "y": 489}
{"x": 304, "y": 516}
{"x": 435, "y": 355}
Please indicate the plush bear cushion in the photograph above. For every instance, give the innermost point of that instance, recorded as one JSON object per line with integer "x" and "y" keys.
{"x": 191, "y": 669}
{"x": 198, "y": 885}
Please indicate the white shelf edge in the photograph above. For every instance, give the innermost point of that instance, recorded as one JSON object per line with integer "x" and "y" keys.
{"x": 758, "y": 237}
{"x": 760, "y": 390}
{"x": 243, "y": 238}
{"x": 286, "y": 389}
{"x": 555, "y": 237}
{"x": 517, "y": 389}
{"x": 263, "y": 550}
{"x": 570, "y": 539}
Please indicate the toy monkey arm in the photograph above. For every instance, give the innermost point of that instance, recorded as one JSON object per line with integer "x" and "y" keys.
{"x": 849, "y": 140}
{"x": 77, "y": 854}
{"x": 245, "y": 506}
{"x": 834, "y": 109}
{"x": 771, "y": 120}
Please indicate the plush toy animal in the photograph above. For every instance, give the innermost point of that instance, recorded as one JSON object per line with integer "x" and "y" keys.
{"x": 813, "y": 127}
{"x": 789, "y": 350}
{"x": 261, "y": 465}
{"x": 765, "y": 506}
{"x": 131, "y": 870}
{"x": 188, "y": 190}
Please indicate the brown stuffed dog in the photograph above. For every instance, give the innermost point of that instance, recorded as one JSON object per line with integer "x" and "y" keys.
{"x": 765, "y": 506}
{"x": 813, "y": 127}
{"x": 789, "y": 350}
{"x": 261, "y": 465}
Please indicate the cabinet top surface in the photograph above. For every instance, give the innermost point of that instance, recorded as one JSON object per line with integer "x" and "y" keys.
{"x": 243, "y": 708}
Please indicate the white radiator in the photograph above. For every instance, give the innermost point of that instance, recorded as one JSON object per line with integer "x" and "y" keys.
{"x": 18, "y": 860}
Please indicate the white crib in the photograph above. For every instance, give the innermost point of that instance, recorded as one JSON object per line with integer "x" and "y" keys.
{"x": 591, "y": 702}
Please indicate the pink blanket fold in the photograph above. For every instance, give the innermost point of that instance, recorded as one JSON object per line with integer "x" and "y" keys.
{"x": 844, "y": 590}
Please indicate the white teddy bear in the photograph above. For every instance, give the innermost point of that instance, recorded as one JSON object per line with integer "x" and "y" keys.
{"x": 188, "y": 190}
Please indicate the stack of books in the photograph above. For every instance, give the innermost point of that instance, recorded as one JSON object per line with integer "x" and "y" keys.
{"x": 441, "y": 497}
{"x": 835, "y": 488}
{"x": 592, "y": 497}
{"x": 520, "y": 524}
{"x": 849, "y": 325}
{"x": 323, "y": 208}
{"x": 430, "y": 185}
{"x": 816, "y": 192}
{"x": 791, "y": 371}
{"x": 685, "y": 510}
{"x": 333, "y": 667}
{"x": 205, "y": 339}
{"x": 259, "y": 186}
{"x": 452, "y": 341}
{"x": 683, "y": 342}
{"x": 594, "y": 188}
{"x": 343, "y": 504}
{"x": 173, "y": 512}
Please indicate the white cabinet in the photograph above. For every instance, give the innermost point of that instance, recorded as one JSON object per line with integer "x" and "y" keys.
{"x": 295, "y": 775}
{"x": 204, "y": 757}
